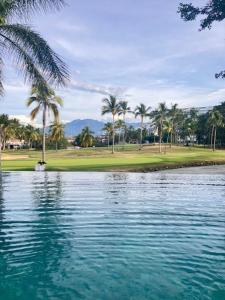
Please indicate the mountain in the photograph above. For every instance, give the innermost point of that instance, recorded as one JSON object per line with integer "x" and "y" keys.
{"x": 75, "y": 127}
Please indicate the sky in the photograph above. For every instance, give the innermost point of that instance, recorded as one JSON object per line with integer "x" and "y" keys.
{"x": 139, "y": 50}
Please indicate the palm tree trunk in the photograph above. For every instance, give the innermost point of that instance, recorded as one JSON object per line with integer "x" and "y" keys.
{"x": 56, "y": 145}
{"x": 214, "y": 144}
{"x": 171, "y": 138}
{"x": 160, "y": 139}
{"x": 124, "y": 130}
{"x": 212, "y": 137}
{"x": 43, "y": 138}
{"x": 113, "y": 137}
{"x": 142, "y": 120}
{"x": 108, "y": 138}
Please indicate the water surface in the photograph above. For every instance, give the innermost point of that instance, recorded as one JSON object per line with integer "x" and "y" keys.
{"x": 106, "y": 236}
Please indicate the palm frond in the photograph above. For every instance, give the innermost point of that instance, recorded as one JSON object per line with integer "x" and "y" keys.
{"x": 54, "y": 109}
{"x": 23, "y": 8}
{"x": 34, "y": 112}
{"x": 53, "y": 68}
{"x": 24, "y": 61}
{"x": 31, "y": 100}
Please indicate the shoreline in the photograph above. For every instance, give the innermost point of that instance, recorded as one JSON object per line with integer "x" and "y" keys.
{"x": 181, "y": 166}
{"x": 171, "y": 168}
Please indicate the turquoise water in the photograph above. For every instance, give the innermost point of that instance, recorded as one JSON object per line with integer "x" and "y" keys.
{"x": 105, "y": 236}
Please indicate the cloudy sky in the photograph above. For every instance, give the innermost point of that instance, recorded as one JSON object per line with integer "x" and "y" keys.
{"x": 139, "y": 50}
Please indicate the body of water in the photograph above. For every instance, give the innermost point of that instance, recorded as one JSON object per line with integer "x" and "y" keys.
{"x": 106, "y": 236}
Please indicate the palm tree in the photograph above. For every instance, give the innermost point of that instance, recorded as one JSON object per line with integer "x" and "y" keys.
{"x": 124, "y": 109}
{"x": 168, "y": 127}
{"x": 37, "y": 61}
{"x": 86, "y": 137}
{"x": 215, "y": 120}
{"x": 57, "y": 132}
{"x": 28, "y": 133}
{"x": 142, "y": 111}
{"x": 46, "y": 100}
{"x": 159, "y": 117}
{"x": 111, "y": 106}
{"x": 119, "y": 125}
{"x": 108, "y": 128}
{"x": 173, "y": 114}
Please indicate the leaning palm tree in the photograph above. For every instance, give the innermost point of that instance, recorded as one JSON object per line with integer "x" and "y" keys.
{"x": 86, "y": 137}
{"x": 56, "y": 133}
{"x": 143, "y": 111}
{"x": 108, "y": 128}
{"x": 215, "y": 120}
{"x": 159, "y": 117}
{"x": 124, "y": 110}
{"x": 47, "y": 102}
{"x": 19, "y": 42}
{"x": 111, "y": 106}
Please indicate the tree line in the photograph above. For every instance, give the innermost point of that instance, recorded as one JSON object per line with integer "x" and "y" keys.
{"x": 170, "y": 125}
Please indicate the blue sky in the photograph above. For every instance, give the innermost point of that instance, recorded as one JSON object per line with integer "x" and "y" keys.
{"x": 139, "y": 50}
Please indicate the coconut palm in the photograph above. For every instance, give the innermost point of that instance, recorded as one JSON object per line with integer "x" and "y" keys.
{"x": 119, "y": 125}
{"x": 19, "y": 42}
{"x": 142, "y": 111}
{"x": 108, "y": 128}
{"x": 215, "y": 120}
{"x": 111, "y": 106}
{"x": 124, "y": 110}
{"x": 168, "y": 128}
{"x": 46, "y": 102}
{"x": 86, "y": 137}
{"x": 159, "y": 117}
{"x": 173, "y": 113}
{"x": 56, "y": 133}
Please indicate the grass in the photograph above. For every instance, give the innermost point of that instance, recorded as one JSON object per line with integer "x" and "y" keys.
{"x": 124, "y": 159}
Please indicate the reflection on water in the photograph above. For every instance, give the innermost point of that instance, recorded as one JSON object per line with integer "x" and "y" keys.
{"x": 112, "y": 236}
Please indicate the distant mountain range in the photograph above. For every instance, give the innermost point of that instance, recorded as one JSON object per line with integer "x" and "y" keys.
{"x": 75, "y": 127}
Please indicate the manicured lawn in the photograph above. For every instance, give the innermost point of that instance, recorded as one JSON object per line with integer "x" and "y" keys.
{"x": 101, "y": 159}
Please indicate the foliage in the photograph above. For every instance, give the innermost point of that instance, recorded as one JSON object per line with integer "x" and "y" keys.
{"x": 213, "y": 11}
{"x": 32, "y": 54}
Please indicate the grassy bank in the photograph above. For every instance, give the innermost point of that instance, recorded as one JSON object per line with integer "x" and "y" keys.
{"x": 100, "y": 159}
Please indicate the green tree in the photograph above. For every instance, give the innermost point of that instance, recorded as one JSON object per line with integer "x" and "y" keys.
{"x": 111, "y": 106}
{"x": 34, "y": 57}
{"x": 213, "y": 11}
{"x": 124, "y": 110}
{"x": 159, "y": 117}
{"x": 215, "y": 120}
{"x": 174, "y": 113}
{"x": 142, "y": 111}
{"x": 86, "y": 137}
{"x": 56, "y": 133}
{"x": 46, "y": 102}
{"x": 119, "y": 125}
{"x": 108, "y": 128}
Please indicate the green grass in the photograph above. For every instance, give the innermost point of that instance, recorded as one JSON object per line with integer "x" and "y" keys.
{"x": 101, "y": 159}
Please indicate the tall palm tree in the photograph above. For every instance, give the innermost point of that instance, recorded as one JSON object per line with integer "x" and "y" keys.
{"x": 32, "y": 54}
{"x": 124, "y": 110}
{"x": 173, "y": 114}
{"x": 111, "y": 106}
{"x": 215, "y": 120}
{"x": 86, "y": 137}
{"x": 47, "y": 102}
{"x": 108, "y": 128}
{"x": 119, "y": 125}
{"x": 142, "y": 111}
{"x": 159, "y": 117}
{"x": 57, "y": 132}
